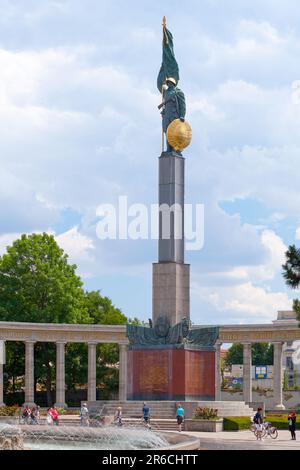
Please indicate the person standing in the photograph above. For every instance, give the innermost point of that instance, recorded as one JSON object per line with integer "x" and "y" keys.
{"x": 49, "y": 419}
{"x": 26, "y": 415}
{"x": 35, "y": 414}
{"x": 84, "y": 415}
{"x": 146, "y": 414}
{"x": 258, "y": 421}
{"x": 55, "y": 415}
{"x": 292, "y": 418}
{"x": 118, "y": 417}
{"x": 180, "y": 416}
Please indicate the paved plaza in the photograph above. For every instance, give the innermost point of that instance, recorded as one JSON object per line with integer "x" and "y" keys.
{"x": 244, "y": 440}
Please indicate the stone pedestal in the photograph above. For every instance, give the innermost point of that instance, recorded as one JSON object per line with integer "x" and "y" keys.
{"x": 167, "y": 373}
{"x": 171, "y": 292}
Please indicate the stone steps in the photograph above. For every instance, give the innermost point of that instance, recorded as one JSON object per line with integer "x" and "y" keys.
{"x": 167, "y": 410}
{"x": 156, "y": 424}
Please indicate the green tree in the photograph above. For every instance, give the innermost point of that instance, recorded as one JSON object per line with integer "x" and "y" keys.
{"x": 291, "y": 272}
{"x": 234, "y": 355}
{"x": 100, "y": 311}
{"x": 262, "y": 354}
{"x": 37, "y": 284}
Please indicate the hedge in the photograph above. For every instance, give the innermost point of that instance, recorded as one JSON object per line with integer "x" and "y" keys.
{"x": 237, "y": 423}
{"x": 279, "y": 421}
{"x": 243, "y": 423}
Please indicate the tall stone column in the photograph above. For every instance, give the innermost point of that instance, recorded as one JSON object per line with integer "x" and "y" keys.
{"x": 29, "y": 373}
{"x": 171, "y": 276}
{"x": 2, "y": 361}
{"x": 60, "y": 376}
{"x": 92, "y": 371}
{"x": 247, "y": 373}
{"x": 218, "y": 376}
{"x": 123, "y": 372}
{"x": 278, "y": 376}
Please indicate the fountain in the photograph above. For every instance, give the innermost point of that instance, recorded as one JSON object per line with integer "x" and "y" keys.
{"x": 43, "y": 437}
{"x": 11, "y": 438}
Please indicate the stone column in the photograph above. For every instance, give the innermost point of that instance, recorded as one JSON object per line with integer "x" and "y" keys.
{"x": 171, "y": 276}
{"x": 60, "y": 376}
{"x": 92, "y": 371}
{"x": 278, "y": 376}
{"x": 247, "y": 373}
{"x": 29, "y": 373}
{"x": 218, "y": 375}
{"x": 123, "y": 372}
{"x": 1, "y": 375}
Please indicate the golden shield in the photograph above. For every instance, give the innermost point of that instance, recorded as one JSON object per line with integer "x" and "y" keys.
{"x": 179, "y": 134}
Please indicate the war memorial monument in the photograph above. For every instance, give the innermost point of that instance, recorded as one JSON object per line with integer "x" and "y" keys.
{"x": 182, "y": 357}
{"x": 170, "y": 360}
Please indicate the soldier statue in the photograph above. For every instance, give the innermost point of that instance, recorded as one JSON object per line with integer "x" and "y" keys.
{"x": 173, "y": 106}
{"x": 173, "y": 100}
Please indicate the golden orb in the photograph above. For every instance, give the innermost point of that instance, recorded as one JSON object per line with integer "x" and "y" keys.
{"x": 179, "y": 134}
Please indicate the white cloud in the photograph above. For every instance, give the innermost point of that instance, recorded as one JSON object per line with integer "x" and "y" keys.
{"x": 79, "y": 126}
{"x": 7, "y": 240}
{"x": 298, "y": 234}
{"x": 245, "y": 303}
{"x": 238, "y": 295}
{"x": 76, "y": 245}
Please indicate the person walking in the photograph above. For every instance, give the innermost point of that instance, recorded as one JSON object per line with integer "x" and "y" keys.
{"x": 55, "y": 416}
{"x": 292, "y": 419}
{"x": 25, "y": 416}
{"x": 118, "y": 417}
{"x": 84, "y": 415}
{"x": 35, "y": 415}
{"x": 179, "y": 416}
{"x": 146, "y": 414}
{"x": 49, "y": 419}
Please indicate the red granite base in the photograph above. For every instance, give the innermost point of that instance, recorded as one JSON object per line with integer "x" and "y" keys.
{"x": 171, "y": 374}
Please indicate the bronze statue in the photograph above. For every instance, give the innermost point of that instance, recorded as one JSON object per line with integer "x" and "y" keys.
{"x": 173, "y": 104}
{"x": 178, "y": 335}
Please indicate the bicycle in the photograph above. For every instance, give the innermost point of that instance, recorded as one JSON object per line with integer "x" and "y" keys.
{"x": 264, "y": 430}
{"x": 252, "y": 427}
{"x": 270, "y": 431}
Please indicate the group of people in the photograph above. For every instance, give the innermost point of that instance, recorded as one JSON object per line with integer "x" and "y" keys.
{"x": 30, "y": 415}
{"x": 259, "y": 422}
{"x": 118, "y": 418}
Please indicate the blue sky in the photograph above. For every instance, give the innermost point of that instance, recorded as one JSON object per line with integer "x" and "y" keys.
{"x": 79, "y": 127}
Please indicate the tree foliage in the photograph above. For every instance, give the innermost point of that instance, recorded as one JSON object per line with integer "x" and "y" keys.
{"x": 291, "y": 272}
{"x": 38, "y": 285}
{"x": 262, "y": 354}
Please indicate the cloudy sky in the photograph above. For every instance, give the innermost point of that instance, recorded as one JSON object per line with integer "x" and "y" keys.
{"x": 79, "y": 127}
